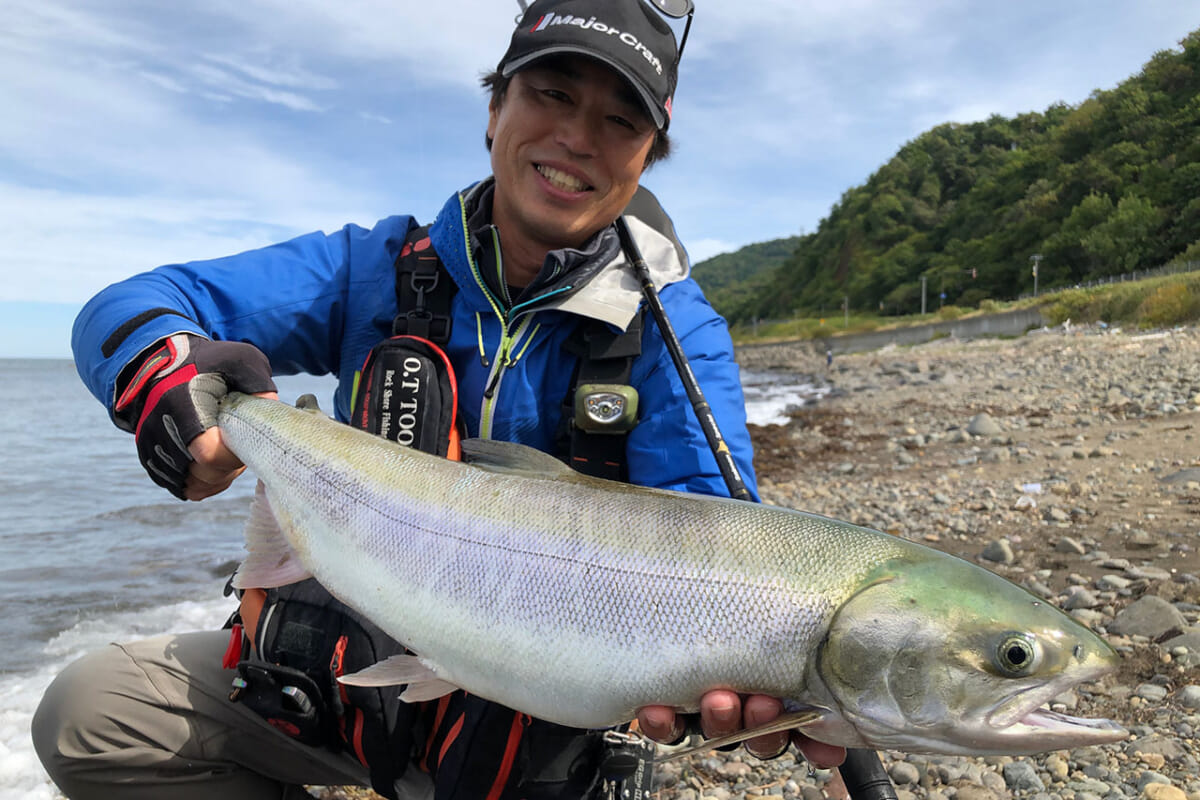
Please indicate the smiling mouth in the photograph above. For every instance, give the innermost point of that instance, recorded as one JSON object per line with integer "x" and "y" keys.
{"x": 561, "y": 180}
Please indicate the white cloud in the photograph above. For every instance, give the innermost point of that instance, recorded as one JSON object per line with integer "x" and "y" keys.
{"x": 224, "y": 83}
{"x": 139, "y": 134}
{"x": 271, "y": 72}
{"x": 163, "y": 81}
{"x": 439, "y": 44}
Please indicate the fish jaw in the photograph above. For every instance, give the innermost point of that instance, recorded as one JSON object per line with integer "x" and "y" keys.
{"x": 923, "y": 660}
{"x": 1022, "y": 725}
{"x": 1041, "y": 728}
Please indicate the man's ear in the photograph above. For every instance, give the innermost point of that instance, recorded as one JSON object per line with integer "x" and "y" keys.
{"x": 493, "y": 117}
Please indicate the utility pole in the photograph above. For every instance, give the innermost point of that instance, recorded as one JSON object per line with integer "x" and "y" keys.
{"x": 846, "y": 311}
{"x": 1035, "y": 258}
{"x": 923, "y": 280}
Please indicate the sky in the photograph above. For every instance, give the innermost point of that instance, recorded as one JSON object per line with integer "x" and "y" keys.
{"x": 135, "y": 133}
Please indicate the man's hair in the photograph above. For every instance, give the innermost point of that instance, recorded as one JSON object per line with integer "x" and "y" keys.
{"x": 498, "y": 85}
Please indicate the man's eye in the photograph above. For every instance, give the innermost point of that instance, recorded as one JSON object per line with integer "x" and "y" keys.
{"x": 624, "y": 123}
{"x": 556, "y": 94}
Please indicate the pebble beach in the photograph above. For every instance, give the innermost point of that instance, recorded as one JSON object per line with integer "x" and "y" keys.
{"x": 1065, "y": 460}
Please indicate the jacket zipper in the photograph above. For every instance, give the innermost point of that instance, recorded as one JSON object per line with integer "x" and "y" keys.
{"x": 508, "y": 337}
{"x": 503, "y": 360}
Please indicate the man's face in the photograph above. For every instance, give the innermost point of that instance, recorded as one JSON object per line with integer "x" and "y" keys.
{"x": 570, "y": 141}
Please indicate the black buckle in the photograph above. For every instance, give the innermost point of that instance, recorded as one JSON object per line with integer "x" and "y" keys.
{"x": 422, "y": 282}
{"x": 626, "y": 767}
{"x": 288, "y": 699}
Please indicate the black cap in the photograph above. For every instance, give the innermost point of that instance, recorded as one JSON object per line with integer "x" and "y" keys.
{"x": 628, "y": 35}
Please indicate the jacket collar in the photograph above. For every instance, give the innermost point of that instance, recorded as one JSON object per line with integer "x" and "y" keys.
{"x": 595, "y": 281}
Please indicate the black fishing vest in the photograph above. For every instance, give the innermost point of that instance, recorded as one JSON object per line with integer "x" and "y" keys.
{"x": 424, "y": 294}
{"x": 306, "y": 638}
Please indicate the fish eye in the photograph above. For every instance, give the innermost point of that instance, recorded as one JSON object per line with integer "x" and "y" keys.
{"x": 1017, "y": 655}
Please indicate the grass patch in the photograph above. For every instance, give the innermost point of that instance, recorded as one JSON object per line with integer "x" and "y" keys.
{"x": 1161, "y": 302}
{"x": 1153, "y": 303}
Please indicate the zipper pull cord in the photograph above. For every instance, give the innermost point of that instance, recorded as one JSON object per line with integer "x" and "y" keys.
{"x": 490, "y": 391}
{"x": 528, "y": 341}
{"x": 501, "y": 361}
{"x": 483, "y": 359}
{"x": 505, "y": 361}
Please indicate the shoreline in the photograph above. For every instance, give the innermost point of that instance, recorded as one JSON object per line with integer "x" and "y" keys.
{"x": 1067, "y": 455}
{"x": 1066, "y": 460}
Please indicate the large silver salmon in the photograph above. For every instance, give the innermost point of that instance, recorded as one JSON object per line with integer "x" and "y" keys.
{"x": 579, "y": 601}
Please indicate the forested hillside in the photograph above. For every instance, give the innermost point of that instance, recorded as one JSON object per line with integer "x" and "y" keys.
{"x": 732, "y": 279}
{"x": 1106, "y": 187}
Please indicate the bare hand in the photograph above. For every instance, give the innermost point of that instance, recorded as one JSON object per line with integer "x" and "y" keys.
{"x": 723, "y": 712}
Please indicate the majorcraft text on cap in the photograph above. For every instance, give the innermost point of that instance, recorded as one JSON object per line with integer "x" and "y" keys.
{"x": 625, "y": 37}
{"x": 629, "y": 36}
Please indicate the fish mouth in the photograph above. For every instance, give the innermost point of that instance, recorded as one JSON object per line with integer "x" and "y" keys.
{"x": 1041, "y": 729}
{"x": 1024, "y": 716}
{"x": 1096, "y": 731}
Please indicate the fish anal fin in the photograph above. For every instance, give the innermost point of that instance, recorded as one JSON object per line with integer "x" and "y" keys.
{"x": 271, "y": 561}
{"x": 427, "y": 690}
{"x": 786, "y": 722}
{"x": 422, "y": 679}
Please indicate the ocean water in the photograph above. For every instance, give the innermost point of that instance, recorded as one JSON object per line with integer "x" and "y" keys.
{"x": 92, "y": 552}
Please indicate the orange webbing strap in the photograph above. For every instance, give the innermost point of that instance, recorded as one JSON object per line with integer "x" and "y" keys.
{"x": 253, "y": 601}
{"x": 519, "y": 723}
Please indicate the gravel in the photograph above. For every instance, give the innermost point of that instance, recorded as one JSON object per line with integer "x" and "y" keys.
{"x": 1065, "y": 460}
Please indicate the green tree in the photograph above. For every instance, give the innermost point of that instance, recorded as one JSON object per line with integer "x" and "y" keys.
{"x": 1124, "y": 241}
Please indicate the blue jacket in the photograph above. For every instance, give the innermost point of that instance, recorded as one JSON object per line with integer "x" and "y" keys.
{"x": 318, "y": 303}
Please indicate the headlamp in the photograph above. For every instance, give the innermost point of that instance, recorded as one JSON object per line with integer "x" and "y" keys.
{"x": 606, "y": 407}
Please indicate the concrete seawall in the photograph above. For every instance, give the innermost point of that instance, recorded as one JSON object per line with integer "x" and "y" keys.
{"x": 779, "y": 354}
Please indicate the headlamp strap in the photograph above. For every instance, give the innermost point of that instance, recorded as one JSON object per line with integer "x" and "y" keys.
{"x": 606, "y": 361}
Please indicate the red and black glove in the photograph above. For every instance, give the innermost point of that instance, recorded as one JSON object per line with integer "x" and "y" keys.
{"x": 173, "y": 397}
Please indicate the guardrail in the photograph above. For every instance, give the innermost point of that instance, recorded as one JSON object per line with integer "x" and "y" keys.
{"x": 1174, "y": 268}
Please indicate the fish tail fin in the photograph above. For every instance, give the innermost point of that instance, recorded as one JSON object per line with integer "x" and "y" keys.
{"x": 271, "y": 561}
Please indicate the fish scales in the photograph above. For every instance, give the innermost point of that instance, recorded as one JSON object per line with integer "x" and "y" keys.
{"x": 552, "y": 592}
{"x": 634, "y": 603}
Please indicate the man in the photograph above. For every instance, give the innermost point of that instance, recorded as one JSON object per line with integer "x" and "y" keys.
{"x": 580, "y": 106}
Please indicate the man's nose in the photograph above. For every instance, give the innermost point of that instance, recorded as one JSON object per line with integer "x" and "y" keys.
{"x": 578, "y": 133}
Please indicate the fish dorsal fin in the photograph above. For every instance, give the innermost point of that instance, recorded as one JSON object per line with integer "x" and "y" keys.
{"x": 510, "y": 458}
{"x": 308, "y": 402}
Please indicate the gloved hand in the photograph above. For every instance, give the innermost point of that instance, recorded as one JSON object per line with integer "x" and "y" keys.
{"x": 174, "y": 395}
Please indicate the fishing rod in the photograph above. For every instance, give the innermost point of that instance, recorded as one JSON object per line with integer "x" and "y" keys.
{"x": 716, "y": 442}
{"x": 862, "y": 771}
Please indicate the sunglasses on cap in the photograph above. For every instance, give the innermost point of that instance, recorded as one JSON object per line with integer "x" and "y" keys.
{"x": 675, "y": 9}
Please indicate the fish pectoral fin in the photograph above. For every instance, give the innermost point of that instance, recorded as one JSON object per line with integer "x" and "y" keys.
{"x": 509, "y": 458}
{"x": 427, "y": 690}
{"x": 271, "y": 561}
{"x": 786, "y": 722}
{"x": 422, "y": 679}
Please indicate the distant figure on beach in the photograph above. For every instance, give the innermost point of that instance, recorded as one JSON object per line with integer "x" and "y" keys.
{"x": 828, "y": 358}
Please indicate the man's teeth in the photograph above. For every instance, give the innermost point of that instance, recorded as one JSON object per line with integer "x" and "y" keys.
{"x": 561, "y": 180}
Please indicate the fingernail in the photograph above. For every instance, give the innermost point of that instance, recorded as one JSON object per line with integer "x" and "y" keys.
{"x": 765, "y": 753}
{"x": 724, "y": 713}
